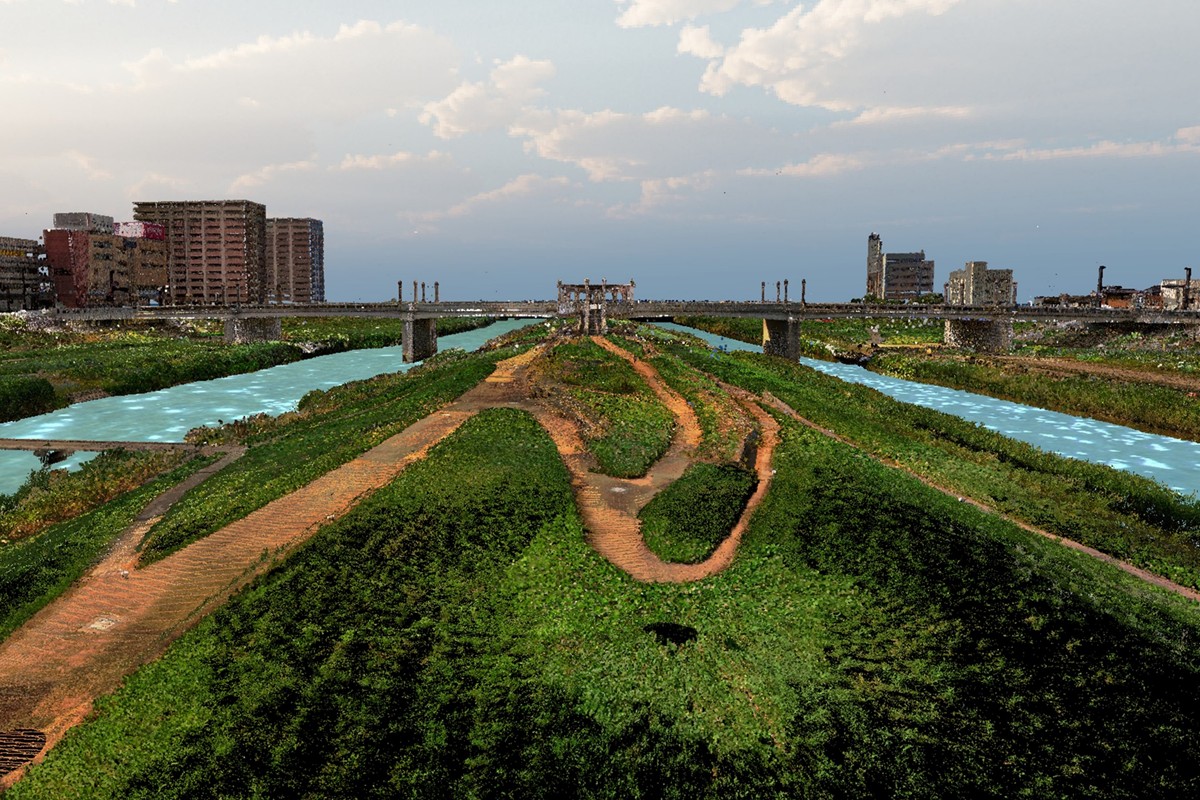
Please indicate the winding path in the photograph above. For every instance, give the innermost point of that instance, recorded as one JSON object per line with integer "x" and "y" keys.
{"x": 119, "y": 616}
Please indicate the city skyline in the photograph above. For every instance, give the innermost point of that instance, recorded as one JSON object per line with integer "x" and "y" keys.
{"x": 698, "y": 146}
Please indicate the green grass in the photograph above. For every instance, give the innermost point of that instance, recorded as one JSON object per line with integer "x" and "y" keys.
{"x": 723, "y": 423}
{"x": 334, "y": 334}
{"x": 38, "y": 569}
{"x": 1122, "y": 514}
{"x": 626, "y": 427}
{"x": 1145, "y": 406}
{"x": 51, "y": 496}
{"x": 455, "y": 636}
{"x": 22, "y": 396}
{"x": 329, "y": 429}
{"x": 687, "y": 520}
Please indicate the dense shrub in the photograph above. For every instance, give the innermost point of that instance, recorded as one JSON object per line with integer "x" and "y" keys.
{"x": 25, "y": 397}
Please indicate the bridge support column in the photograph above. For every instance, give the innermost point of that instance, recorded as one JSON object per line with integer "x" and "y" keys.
{"x": 982, "y": 335}
{"x": 781, "y": 337}
{"x": 241, "y": 330}
{"x": 593, "y": 318}
{"x": 420, "y": 339}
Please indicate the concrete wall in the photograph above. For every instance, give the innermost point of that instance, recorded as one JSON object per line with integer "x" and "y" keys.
{"x": 984, "y": 336}
{"x": 243, "y": 331}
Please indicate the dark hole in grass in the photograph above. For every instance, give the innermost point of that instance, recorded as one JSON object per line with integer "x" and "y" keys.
{"x": 671, "y": 632}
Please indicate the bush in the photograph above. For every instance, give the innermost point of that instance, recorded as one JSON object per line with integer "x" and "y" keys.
{"x": 25, "y": 397}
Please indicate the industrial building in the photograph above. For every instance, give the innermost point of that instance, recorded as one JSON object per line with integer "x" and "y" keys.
{"x": 24, "y": 282}
{"x": 976, "y": 285}
{"x": 216, "y": 249}
{"x": 295, "y": 260}
{"x": 896, "y": 276}
{"x": 1180, "y": 294}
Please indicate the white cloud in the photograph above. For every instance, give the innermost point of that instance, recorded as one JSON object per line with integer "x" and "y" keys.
{"x": 641, "y": 13}
{"x": 887, "y": 114}
{"x": 660, "y": 192}
{"x": 377, "y": 162}
{"x": 268, "y": 173}
{"x": 698, "y": 42}
{"x": 520, "y": 186}
{"x": 87, "y": 164}
{"x": 820, "y": 166}
{"x": 496, "y": 103}
{"x": 789, "y": 57}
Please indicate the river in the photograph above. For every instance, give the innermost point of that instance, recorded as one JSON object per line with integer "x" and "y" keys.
{"x": 1170, "y": 461}
{"x": 168, "y": 414}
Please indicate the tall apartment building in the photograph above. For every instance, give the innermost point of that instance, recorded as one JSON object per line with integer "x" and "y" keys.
{"x": 216, "y": 249}
{"x": 23, "y": 279}
{"x": 147, "y": 245}
{"x": 976, "y": 285}
{"x": 295, "y": 260}
{"x": 88, "y": 264}
{"x": 896, "y": 276}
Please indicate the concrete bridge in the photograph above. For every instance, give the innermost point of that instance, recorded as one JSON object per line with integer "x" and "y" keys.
{"x": 978, "y": 327}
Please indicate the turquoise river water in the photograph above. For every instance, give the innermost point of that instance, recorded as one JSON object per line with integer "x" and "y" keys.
{"x": 1170, "y": 461}
{"x": 166, "y": 415}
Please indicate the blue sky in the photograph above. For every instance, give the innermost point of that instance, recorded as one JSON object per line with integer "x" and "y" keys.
{"x": 698, "y": 146}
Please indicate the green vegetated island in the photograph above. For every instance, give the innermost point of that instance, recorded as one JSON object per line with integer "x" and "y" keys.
{"x": 455, "y": 635}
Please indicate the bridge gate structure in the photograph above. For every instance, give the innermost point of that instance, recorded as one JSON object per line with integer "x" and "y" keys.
{"x": 589, "y": 303}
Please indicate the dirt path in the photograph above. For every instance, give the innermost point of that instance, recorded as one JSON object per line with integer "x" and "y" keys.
{"x": 609, "y": 506}
{"x": 1064, "y": 367}
{"x": 1138, "y": 572}
{"x": 118, "y": 616}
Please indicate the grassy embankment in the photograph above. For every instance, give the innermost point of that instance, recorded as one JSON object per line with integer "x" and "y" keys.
{"x": 1131, "y": 402}
{"x": 624, "y": 425}
{"x": 41, "y": 371}
{"x": 97, "y": 504}
{"x": 328, "y": 429}
{"x": 1157, "y": 409}
{"x": 691, "y": 517}
{"x": 1118, "y": 513}
{"x": 455, "y": 636}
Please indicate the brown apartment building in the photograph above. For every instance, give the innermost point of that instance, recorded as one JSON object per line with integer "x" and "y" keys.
{"x": 295, "y": 260}
{"x": 88, "y": 267}
{"x": 216, "y": 249}
{"x": 896, "y": 276}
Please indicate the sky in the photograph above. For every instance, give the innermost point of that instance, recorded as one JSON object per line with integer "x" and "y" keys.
{"x": 696, "y": 146}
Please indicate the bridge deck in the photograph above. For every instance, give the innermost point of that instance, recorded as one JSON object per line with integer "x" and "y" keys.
{"x": 640, "y": 309}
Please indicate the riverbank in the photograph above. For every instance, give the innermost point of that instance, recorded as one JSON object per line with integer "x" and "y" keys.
{"x": 456, "y": 634}
{"x": 1148, "y": 380}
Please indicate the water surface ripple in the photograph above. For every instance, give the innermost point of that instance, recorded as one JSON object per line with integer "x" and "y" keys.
{"x": 1170, "y": 461}
{"x": 168, "y": 414}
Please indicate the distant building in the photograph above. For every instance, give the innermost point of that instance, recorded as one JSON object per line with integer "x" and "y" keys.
{"x": 147, "y": 244}
{"x": 216, "y": 249}
{"x": 976, "y": 285}
{"x": 83, "y": 221}
{"x": 1180, "y": 295}
{"x": 88, "y": 265}
{"x": 896, "y": 276}
{"x": 295, "y": 260}
{"x": 24, "y": 281}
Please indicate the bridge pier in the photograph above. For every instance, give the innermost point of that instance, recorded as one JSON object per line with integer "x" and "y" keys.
{"x": 420, "y": 339}
{"x": 982, "y": 335}
{"x": 781, "y": 337}
{"x": 242, "y": 330}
